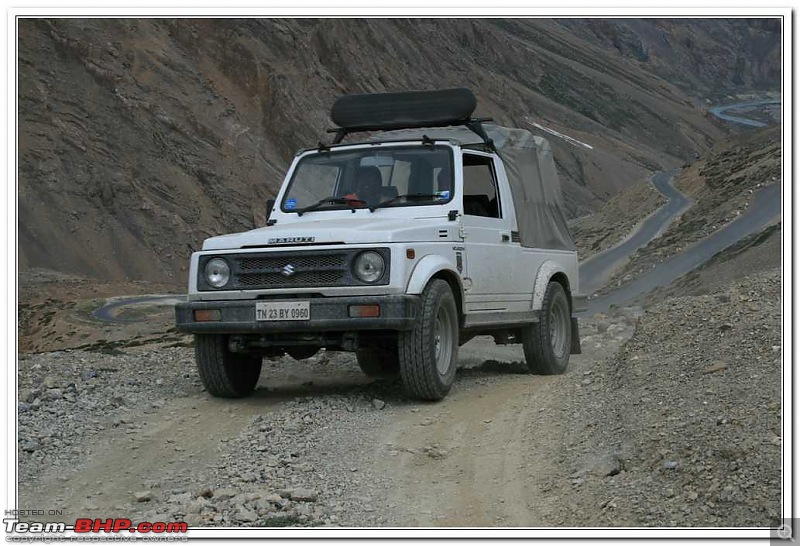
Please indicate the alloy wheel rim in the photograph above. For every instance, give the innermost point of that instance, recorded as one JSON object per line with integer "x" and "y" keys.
{"x": 558, "y": 331}
{"x": 442, "y": 340}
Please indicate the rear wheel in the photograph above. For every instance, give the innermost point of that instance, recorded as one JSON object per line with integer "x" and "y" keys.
{"x": 547, "y": 343}
{"x": 302, "y": 352}
{"x": 429, "y": 352}
{"x": 225, "y": 374}
{"x": 378, "y": 361}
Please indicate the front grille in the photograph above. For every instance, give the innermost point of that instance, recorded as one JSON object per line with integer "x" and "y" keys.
{"x": 292, "y": 269}
{"x": 303, "y": 278}
{"x": 322, "y": 261}
{"x": 307, "y": 269}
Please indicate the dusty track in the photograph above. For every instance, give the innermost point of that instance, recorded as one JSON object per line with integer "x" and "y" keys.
{"x": 466, "y": 461}
{"x": 485, "y": 476}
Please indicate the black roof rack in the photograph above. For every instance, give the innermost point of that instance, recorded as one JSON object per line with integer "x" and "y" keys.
{"x": 408, "y": 110}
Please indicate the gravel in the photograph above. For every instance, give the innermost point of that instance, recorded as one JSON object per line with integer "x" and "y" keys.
{"x": 71, "y": 399}
{"x": 298, "y": 463}
{"x": 293, "y": 466}
{"x": 692, "y": 408}
{"x": 679, "y": 427}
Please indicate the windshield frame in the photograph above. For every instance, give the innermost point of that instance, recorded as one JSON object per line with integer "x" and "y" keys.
{"x": 404, "y": 145}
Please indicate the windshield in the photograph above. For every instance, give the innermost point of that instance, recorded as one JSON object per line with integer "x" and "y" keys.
{"x": 388, "y": 176}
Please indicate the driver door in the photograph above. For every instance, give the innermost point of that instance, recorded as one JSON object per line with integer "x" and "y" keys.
{"x": 488, "y": 242}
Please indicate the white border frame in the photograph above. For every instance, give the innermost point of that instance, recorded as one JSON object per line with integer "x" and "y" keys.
{"x": 367, "y": 8}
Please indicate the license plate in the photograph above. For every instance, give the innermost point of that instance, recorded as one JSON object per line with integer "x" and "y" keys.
{"x": 283, "y": 310}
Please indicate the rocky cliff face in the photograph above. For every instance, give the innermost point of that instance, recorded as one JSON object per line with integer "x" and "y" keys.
{"x": 705, "y": 57}
{"x": 138, "y": 138}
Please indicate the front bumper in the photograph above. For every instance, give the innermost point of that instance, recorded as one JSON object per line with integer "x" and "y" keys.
{"x": 327, "y": 314}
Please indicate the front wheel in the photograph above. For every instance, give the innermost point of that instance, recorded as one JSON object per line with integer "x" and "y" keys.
{"x": 429, "y": 352}
{"x": 547, "y": 343}
{"x": 225, "y": 374}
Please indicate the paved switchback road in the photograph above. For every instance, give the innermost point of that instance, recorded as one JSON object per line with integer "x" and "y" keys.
{"x": 719, "y": 111}
{"x": 107, "y": 313}
{"x": 595, "y": 272}
{"x": 766, "y": 207}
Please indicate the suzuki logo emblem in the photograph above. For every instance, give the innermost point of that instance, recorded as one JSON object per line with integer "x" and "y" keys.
{"x": 288, "y": 270}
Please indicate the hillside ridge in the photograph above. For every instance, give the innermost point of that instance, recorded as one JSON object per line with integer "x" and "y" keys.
{"x": 139, "y": 138}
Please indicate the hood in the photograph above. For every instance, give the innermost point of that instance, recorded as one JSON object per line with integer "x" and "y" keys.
{"x": 337, "y": 230}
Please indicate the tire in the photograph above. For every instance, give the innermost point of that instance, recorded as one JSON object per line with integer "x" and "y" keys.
{"x": 547, "y": 343}
{"x": 302, "y": 352}
{"x": 429, "y": 352}
{"x": 225, "y": 374}
{"x": 378, "y": 362}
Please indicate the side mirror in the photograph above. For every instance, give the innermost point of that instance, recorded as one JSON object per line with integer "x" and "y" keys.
{"x": 270, "y": 206}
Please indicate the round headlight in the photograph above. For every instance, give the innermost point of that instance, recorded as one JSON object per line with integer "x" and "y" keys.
{"x": 369, "y": 266}
{"x": 218, "y": 272}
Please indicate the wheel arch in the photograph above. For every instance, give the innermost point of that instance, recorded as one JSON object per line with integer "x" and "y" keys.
{"x": 549, "y": 271}
{"x": 436, "y": 267}
{"x": 455, "y": 286}
{"x": 561, "y": 278}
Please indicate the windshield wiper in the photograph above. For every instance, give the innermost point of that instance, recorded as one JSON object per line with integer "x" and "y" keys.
{"x": 332, "y": 200}
{"x": 407, "y": 196}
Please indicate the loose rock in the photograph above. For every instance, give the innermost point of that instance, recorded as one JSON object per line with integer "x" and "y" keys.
{"x": 143, "y": 496}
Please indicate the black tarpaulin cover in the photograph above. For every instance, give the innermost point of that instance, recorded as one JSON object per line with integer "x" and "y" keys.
{"x": 531, "y": 172}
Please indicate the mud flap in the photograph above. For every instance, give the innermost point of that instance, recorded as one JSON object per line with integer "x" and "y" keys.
{"x": 575, "y": 344}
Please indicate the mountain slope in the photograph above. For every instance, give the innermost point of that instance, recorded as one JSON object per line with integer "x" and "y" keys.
{"x": 140, "y": 137}
{"x": 708, "y": 57}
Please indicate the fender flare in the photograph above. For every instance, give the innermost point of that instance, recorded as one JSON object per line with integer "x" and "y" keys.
{"x": 546, "y": 272}
{"x": 426, "y": 268}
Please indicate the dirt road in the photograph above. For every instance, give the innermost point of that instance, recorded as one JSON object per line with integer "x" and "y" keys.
{"x": 664, "y": 431}
{"x": 466, "y": 461}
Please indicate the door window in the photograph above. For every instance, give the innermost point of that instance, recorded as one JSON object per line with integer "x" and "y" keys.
{"x": 480, "y": 187}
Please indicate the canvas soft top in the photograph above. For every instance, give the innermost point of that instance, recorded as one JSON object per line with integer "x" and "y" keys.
{"x": 445, "y": 115}
{"x": 531, "y": 172}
